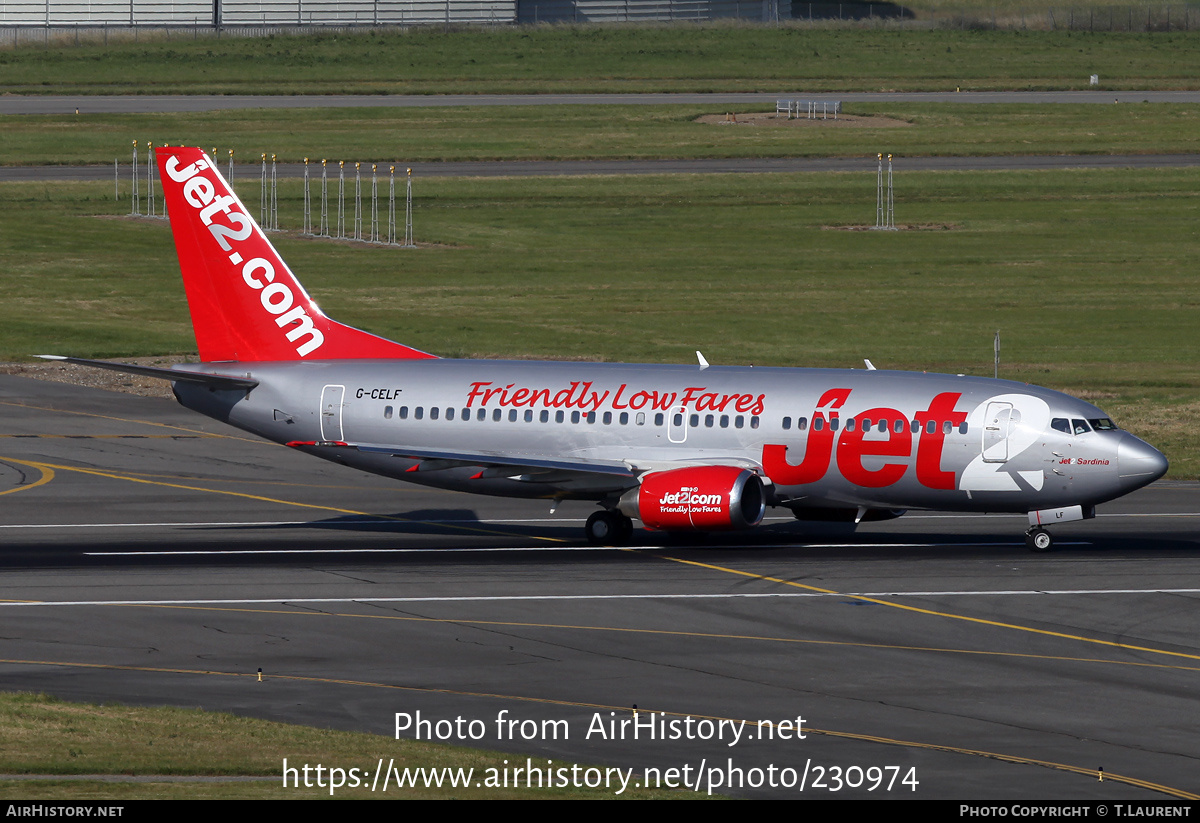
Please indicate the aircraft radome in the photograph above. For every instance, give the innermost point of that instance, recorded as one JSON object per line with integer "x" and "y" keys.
{"x": 680, "y": 448}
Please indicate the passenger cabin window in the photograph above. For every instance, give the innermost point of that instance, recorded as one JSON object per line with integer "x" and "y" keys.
{"x": 387, "y": 412}
{"x": 404, "y": 412}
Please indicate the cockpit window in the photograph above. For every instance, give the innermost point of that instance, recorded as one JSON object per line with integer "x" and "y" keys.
{"x": 1080, "y": 426}
{"x": 1061, "y": 424}
{"x": 1103, "y": 424}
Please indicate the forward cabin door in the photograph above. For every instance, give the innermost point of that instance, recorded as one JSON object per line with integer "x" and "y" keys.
{"x": 996, "y": 426}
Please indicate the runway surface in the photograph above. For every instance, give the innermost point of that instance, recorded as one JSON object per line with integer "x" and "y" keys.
{"x": 154, "y": 556}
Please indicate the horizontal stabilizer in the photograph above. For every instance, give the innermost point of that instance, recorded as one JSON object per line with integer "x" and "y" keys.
{"x": 220, "y": 380}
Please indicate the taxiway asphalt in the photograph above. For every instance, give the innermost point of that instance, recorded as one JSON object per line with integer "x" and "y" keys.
{"x": 733, "y": 165}
{"x": 132, "y": 104}
{"x": 162, "y": 103}
{"x": 153, "y": 556}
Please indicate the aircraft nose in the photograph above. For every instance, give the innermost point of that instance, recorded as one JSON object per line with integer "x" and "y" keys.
{"x": 1139, "y": 463}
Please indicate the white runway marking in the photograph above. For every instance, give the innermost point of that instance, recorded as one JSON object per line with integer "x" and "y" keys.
{"x": 400, "y": 520}
{"x": 561, "y": 548}
{"x": 545, "y": 597}
{"x": 397, "y": 521}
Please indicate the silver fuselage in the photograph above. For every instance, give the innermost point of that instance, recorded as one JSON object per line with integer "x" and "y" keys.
{"x": 820, "y": 437}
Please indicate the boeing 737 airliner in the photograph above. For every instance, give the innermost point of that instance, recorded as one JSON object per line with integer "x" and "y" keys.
{"x": 679, "y": 448}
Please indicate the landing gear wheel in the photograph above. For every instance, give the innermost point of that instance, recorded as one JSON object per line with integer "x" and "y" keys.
{"x": 626, "y": 535}
{"x": 1038, "y": 540}
{"x": 608, "y": 528}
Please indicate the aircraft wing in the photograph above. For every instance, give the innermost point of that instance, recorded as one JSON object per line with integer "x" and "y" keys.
{"x": 565, "y": 472}
{"x": 510, "y": 463}
{"x": 507, "y": 465}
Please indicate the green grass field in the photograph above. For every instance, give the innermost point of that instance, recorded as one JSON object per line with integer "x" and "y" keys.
{"x": 710, "y": 57}
{"x": 1089, "y": 276}
{"x": 582, "y": 132}
{"x": 1086, "y": 274}
{"x": 45, "y": 736}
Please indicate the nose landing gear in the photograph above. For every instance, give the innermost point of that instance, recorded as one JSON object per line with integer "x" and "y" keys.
{"x": 1038, "y": 539}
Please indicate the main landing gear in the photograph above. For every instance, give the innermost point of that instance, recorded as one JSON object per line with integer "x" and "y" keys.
{"x": 608, "y": 528}
{"x": 1038, "y": 539}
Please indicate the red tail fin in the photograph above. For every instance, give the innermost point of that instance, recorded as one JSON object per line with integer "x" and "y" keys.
{"x": 246, "y": 304}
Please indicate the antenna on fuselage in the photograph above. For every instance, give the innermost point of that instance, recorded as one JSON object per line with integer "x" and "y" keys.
{"x": 703, "y": 362}
{"x": 996, "y": 348}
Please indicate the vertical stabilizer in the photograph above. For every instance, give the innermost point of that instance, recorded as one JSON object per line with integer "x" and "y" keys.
{"x": 245, "y": 302}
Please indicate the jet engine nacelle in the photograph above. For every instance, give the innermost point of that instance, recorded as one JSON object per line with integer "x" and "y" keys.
{"x": 703, "y": 498}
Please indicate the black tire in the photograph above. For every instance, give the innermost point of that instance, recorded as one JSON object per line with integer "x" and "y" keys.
{"x": 608, "y": 528}
{"x": 626, "y": 530}
{"x": 1039, "y": 540}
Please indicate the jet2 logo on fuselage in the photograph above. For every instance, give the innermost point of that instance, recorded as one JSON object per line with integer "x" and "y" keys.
{"x": 852, "y": 445}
